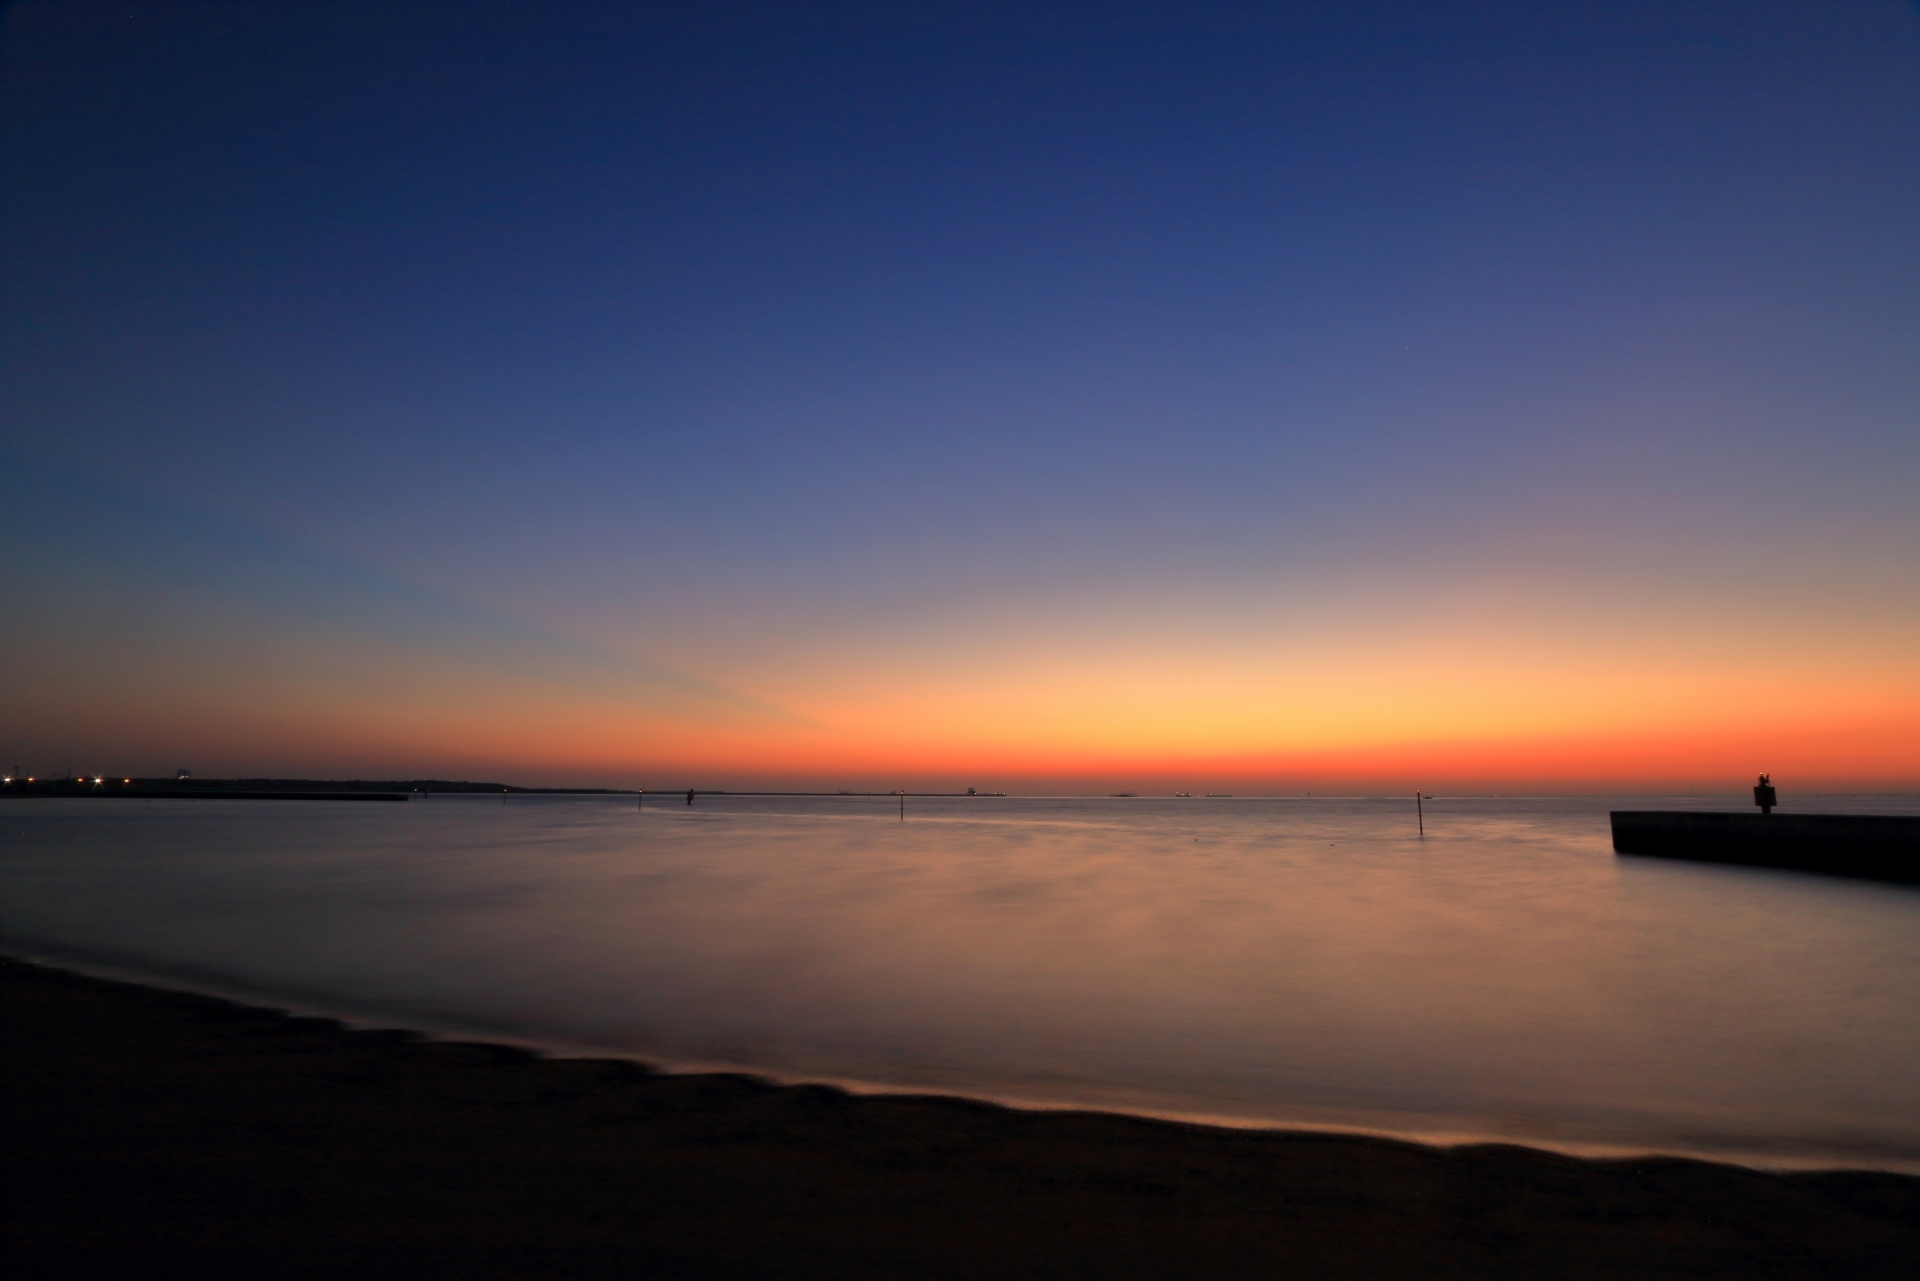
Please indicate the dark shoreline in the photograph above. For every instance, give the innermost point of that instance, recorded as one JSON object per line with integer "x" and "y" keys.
{"x": 155, "y": 1132}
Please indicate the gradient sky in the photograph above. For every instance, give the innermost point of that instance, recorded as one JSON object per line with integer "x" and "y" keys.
{"x": 1225, "y": 397}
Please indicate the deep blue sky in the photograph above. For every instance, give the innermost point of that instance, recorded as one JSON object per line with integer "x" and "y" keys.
{"x": 734, "y": 342}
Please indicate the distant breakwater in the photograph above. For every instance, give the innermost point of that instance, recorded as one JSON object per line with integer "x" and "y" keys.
{"x": 1876, "y": 847}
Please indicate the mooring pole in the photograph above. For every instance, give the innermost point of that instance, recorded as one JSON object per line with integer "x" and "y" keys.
{"x": 640, "y": 799}
{"x": 1420, "y": 813}
{"x": 903, "y": 805}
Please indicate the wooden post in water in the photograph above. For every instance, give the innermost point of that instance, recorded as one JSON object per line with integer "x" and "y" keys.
{"x": 640, "y": 798}
{"x": 903, "y": 805}
{"x": 1420, "y": 813}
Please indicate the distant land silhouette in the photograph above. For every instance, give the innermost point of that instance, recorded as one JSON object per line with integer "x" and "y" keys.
{"x": 89, "y": 786}
{"x": 317, "y": 788}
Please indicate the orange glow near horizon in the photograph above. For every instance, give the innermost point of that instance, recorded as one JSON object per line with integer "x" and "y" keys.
{"x": 1507, "y": 688}
{"x": 1097, "y": 730}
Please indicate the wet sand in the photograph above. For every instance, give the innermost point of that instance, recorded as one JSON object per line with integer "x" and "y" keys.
{"x": 151, "y": 1132}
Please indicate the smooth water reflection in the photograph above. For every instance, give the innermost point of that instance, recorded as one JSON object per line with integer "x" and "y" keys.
{"x": 1272, "y": 962}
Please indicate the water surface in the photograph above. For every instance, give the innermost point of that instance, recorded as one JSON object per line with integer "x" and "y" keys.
{"x": 1273, "y": 962}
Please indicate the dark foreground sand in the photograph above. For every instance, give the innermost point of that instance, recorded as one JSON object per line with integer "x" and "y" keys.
{"x": 150, "y": 1133}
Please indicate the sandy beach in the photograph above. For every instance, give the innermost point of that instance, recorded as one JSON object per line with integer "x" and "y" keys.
{"x": 153, "y": 1132}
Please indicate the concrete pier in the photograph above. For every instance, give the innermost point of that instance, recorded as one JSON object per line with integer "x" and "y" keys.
{"x": 1879, "y": 847}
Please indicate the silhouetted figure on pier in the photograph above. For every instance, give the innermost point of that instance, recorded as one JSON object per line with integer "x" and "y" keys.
{"x": 1763, "y": 795}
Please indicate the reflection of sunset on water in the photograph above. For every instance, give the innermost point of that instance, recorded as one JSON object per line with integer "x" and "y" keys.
{"x": 1300, "y": 962}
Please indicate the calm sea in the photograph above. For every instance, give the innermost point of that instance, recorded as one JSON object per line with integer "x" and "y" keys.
{"x": 1302, "y": 962}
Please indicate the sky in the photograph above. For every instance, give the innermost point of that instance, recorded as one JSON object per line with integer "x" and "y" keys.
{"x": 1034, "y": 397}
